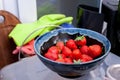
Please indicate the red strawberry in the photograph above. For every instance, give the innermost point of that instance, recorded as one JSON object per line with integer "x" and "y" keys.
{"x": 60, "y": 60}
{"x": 86, "y": 58}
{"x": 84, "y": 49}
{"x": 64, "y": 60}
{"x": 81, "y": 40}
{"x": 60, "y": 45}
{"x": 48, "y": 55}
{"x": 53, "y": 49}
{"x": 66, "y": 51}
{"x": 71, "y": 44}
{"x": 95, "y": 50}
{"x": 68, "y": 60}
{"x": 52, "y": 56}
{"x": 76, "y": 54}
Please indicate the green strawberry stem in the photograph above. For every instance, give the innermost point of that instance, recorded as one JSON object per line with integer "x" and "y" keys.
{"x": 77, "y": 61}
{"x": 59, "y": 56}
{"x": 79, "y": 37}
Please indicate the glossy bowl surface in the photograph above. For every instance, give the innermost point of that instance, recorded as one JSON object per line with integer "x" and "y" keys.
{"x": 42, "y": 43}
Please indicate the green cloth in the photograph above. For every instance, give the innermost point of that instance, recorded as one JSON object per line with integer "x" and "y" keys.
{"x": 23, "y": 30}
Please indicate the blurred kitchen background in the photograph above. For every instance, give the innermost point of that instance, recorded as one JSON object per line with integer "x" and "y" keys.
{"x": 68, "y": 7}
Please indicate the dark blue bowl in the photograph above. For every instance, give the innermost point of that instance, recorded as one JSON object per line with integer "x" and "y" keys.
{"x": 43, "y": 42}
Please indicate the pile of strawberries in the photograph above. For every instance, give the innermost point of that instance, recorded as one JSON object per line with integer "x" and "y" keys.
{"x": 73, "y": 51}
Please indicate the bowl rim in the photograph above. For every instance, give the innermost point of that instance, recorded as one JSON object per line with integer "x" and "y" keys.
{"x": 81, "y": 29}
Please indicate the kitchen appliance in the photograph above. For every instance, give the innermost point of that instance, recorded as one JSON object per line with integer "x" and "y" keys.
{"x": 90, "y": 18}
{"x": 110, "y": 11}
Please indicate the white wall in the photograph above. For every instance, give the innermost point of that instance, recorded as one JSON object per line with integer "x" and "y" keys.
{"x": 1, "y": 4}
{"x": 11, "y": 6}
{"x": 25, "y": 10}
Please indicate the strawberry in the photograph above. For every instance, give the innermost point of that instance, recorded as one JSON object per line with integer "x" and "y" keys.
{"x": 67, "y": 51}
{"x": 52, "y": 53}
{"x": 86, "y": 58}
{"x": 53, "y": 49}
{"x": 84, "y": 49}
{"x": 68, "y": 60}
{"x": 81, "y": 40}
{"x": 95, "y": 50}
{"x": 76, "y": 54}
{"x": 60, "y": 45}
{"x": 52, "y": 56}
{"x": 60, "y": 60}
{"x": 48, "y": 55}
{"x": 64, "y": 60}
{"x": 71, "y": 44}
